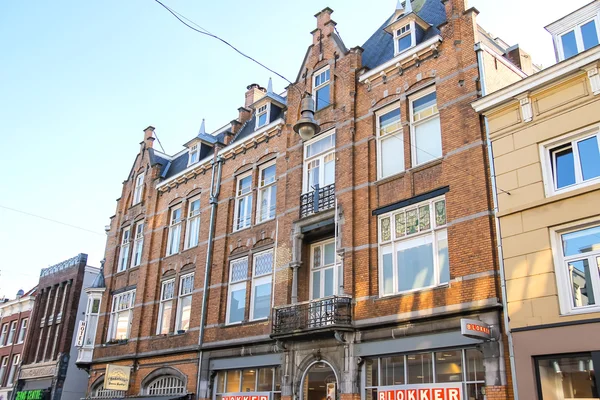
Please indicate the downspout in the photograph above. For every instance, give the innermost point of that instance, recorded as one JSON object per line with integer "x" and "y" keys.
{"x": 511, "y": 351}
{"x": 215, "y": 188}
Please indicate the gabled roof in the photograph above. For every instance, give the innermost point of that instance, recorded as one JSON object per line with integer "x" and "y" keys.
{"x": 379, "y": 48}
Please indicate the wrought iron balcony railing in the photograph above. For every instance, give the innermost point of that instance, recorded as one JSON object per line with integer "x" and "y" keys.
{"x": 329, "y": 312}
{"x": 318, "y": 200}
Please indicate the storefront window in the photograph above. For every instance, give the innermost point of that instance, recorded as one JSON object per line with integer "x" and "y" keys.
{"x": 265, "y": 379}
{"x": 567, "y": 377}
{"x": 451, "y": 366}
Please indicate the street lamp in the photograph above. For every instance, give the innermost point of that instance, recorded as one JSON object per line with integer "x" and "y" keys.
{"x": 306, "y": 126}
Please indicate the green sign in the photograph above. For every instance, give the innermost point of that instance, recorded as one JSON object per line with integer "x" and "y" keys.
{"x": 30, "y": 395}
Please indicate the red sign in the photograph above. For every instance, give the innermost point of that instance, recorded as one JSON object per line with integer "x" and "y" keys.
{"x": 247, "y": 396}
{"x": 475, "y": 329}
{"x": 437, "y": 391}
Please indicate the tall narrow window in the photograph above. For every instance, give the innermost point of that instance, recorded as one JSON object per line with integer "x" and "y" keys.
{"x": 184, "y": 305}
{"x": 124, "y": 254}
{"x": 23, "y": 330}
{"x": 194, "y": 154}
{"x": 12, "y": 332}
{"x": 319, "y": 162}
{"x": 3, "y": 366}
{"x": 403, "y": 38}
{"x": 261, "y": 285}
{"x": 166, "y": 307}
{"x": 322, "y": 266}
{"x": 243, "y": 202}
{"x": 139, "y": 186}
{"x": 174, "y": 231}
{"x": 321, "y": 88}
{"x": 267, "y": 193}
{"x": 236, "y": 302}
{"x": 4, "y": 334}
{"x": 138, "y": 245}
{"x": 13, "y": 369}
{"x": 262, "y": 116}
{"x": 121, "y": 315}
{"x": 425, "y": 128}
{"x": 192, "y": 230}
{"x": 390, "y": 142}
{"x": 93, "y": 312}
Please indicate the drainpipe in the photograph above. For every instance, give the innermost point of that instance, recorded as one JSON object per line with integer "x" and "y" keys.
{"x": 511, "y": 350}
{"x": 215, "y": 188}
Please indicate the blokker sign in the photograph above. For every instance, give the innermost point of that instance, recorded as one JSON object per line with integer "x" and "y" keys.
{"x": 247, "y": 396}
{"x": 439, "y": 391}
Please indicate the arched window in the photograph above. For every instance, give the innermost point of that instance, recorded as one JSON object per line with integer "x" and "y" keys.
{"x": 98, "y": 392}
{"x": 166, "y": 384}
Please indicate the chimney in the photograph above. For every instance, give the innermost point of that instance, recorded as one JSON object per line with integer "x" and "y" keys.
{"x": 520, "y": 58}
{"x": 149, "y": 136}
{"x": 325, "y": 25}
{"x": 254, "y": 93}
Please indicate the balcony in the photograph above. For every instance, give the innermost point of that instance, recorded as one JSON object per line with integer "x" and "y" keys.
{"x": 318, "y": 200}
{"x": 84, "y": 355}
{"x": 322, "y": 315}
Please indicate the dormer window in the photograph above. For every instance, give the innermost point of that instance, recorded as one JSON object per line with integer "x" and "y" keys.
{"x": 262, "y": 116}
{"x": 580, "y": 38}
{"x": 403, "y": 38}
{"x": 194, "y": 154}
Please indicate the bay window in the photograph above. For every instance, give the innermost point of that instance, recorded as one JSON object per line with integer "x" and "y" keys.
{"x": 321, "y": 88}
{"x": 138, "y": 244}
{"x": 184, "y": 304}
{"x": 165, "y": 308}
{"x": 319, "y": 162}
{"x": 124, "y": 253}
{"x": 426, "y": 134}
{"x": 92, "y": 314}
{"x": 121, "y": 315}
{"x": 192, "y": 231}
{"x": 413, "y": 248}
{"x": 139, "y": 186}
{"x": 390, "y": 142}
{"x": 174, "y": 231}
{"x": 261, "y": 285}
{"x": 236, "y": 299}
{"x": 267, "y": 193}
{"x": 243, "y": 202}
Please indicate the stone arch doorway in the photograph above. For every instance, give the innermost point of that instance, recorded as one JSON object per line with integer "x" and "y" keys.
{"x": 319, "y": 382}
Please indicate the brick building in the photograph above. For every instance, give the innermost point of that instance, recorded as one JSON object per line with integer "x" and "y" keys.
{"x": 48, "y": 368}
{"x": 14, "y": 320}
{"x": 339, "y": 266}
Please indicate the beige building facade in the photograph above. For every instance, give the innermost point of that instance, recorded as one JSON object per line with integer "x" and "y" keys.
{"x": 545, "y": 137}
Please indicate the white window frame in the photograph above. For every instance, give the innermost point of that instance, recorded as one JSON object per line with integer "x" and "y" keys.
{"x": 23, "y": 330}
{"x": 330, "y": 152}
{"x": 548, "y": 161}
{"x": 316, "y": 87}
{"x": 265, "y": 189}
{"x": 138, "y": 190}
{"x": 3, "y": 366}
{"x": 173, "y": 242}
{"x": 236, "y": 284}
{"x": 397, "y": 36}
{"x": 192, "y": 238}
{"x": 13, "y": 369}
{"x": 578, "y": 36}
{"x": 138, "y": 244}
{"x": 560, "y": 268}
{"x": 321, "y": 268}
{"x": 117, "y": 308}
{"x": 91, "y": 327}
{"x": 124, "y": 252}
{"x": 166, "y": 385}
{"x": 194, "y": 154}
{"x": 433, "y": 235}
{"x": 164, "y": 285}
{"x": 4, "y": 334}
{"x": 184, "y": 293}
{"x": 12, "y": 333}
{"x": 397, "y": 134}
{"x": 260, "y": 279}
{"x": 265, "y": 109}
{"x": 414, "y": 124}
{"x": 248, "y": 204}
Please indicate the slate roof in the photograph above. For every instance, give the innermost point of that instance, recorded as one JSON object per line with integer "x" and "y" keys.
{"x": 99, "y": 282}
{"x": 176, "y": 165}
{"x": 379, "y": 48}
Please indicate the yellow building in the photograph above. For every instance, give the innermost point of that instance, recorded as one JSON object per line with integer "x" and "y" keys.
{"x": 545, "y": 147}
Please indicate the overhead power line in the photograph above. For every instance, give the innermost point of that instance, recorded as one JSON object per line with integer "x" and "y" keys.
{"x": 51, "y": 220}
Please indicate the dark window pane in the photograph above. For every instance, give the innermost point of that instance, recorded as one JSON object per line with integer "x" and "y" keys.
{"x": 568, "y": 378}
{"x": 392, "y": 371}
{"x": 569, "y": 44}
{"x": 589, "y": 35}
{"x": 372, "y": 372}
{"x": 265, "y": 379}
{"x": 404, "y": 43}
{"x": 448, "y": 366}
{"x": 323, "y": 97}
{"x": 589, "y": 157}
{"x": 565, "y": 167}
{"x": 474, "y": 391}
{"x": 277, "y": 378}
{"x": 419, "y": 368}
{"x": 474, "y": 359}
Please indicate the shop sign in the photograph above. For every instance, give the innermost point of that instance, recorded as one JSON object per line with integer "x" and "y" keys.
{"x": 117, "y": 377}
{"x": 475, "y": 329}
{"x": 247, "y": 396}
{"x": 38, "y": 394}
{"x": 80, "y": 333}
{"x": 434, "y": 391}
